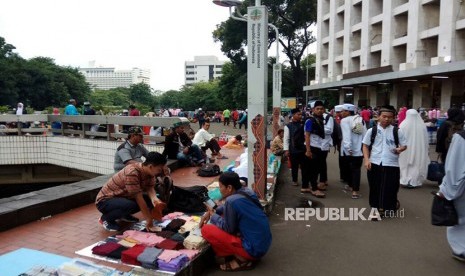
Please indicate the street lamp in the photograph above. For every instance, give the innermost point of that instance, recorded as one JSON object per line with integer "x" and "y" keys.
{"x": 257, "y": 73}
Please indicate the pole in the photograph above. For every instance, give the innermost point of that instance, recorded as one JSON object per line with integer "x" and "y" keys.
{"x": 257, "y": 74}
{"x": 277, "y": 76}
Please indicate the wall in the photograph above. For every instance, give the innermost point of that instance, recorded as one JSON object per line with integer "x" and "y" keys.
{"x": 90, "y": 155}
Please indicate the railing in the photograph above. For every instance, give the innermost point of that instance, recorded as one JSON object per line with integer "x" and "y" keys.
{"x": 82, "y": 124}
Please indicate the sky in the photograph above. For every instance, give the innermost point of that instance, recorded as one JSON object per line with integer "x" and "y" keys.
{"x": 159, "y": 35}
{"x": 150, "y": 34}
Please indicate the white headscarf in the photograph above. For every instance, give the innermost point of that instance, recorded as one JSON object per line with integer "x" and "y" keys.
{"x": 416, "y": 156}
{"x": 19, "y": 109}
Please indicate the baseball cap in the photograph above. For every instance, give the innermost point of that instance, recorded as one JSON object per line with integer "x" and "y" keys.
{"x": 135, "y": 130}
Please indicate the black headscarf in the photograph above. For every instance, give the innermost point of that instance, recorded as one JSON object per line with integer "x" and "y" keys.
{"x": 455, "y": 115}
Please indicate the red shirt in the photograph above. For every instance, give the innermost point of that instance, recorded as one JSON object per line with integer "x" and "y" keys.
{"x": 134, "y": 112}
{"x": 366, "y": 114}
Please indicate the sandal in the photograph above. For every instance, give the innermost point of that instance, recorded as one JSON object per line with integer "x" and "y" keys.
{"x": 318, "y": 194}
{"x": 306, "y": 191}
{"x": 237, "y": 265}
{"x": 222, "y": 157}
{"x": 356, "y": 196}
{"x": 321, "y": 187}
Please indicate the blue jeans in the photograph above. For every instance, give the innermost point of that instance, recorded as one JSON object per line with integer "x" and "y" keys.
{"x": 194, "y": 153}
{"x": 119, "y": 207}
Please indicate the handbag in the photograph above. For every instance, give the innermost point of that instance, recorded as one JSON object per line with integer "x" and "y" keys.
{"x": 443, "y": 212}
{"x": 435, "y": 171}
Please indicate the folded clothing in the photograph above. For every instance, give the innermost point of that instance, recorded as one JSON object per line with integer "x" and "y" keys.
{"x": 190, "y": 253}
{"x": 188, "y": 226}
{"x": 157, "y": 211}
{"x": 130, "y": 256}
{"x": 148, "y": 258}
{"x": 170, "y": 244}
{"x": 167, "y": 255}
{"x": 173, "y": 265}
{"x": 172, "y": 216}
{"x": 195, "y": 242}
{"x": 178, "y": 237}
{"x": 144, "y": 238}
{"x": 116, "y": 254}
{"x": 175, "y": 225}
{"x": 165, "y": 234}
{"x": 105, "y": 249}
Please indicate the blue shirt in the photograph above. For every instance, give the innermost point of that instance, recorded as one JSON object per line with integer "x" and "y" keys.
{"x": 242, "y": 216}
{"x": 71, "y": 110}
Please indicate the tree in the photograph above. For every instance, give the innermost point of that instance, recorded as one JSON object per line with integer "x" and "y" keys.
{"x": 141, "y": 93}
{"x": 293, "y": 18}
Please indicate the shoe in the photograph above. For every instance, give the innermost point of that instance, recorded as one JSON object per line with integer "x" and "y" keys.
{"x": 130, "y": 218}
{"x": 460, "y": 257}
{"x": 347, "y": 188}
{"x": 321, "y": 186}
{"x": 356, "y": 196}
{"x": 109, "y": 226}
{"x": 318, "y": 194}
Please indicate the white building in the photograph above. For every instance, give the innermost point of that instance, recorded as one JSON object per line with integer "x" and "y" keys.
{"x": 398, "y": 52}
{"x": 107, "y": 77}
{"x": 203, "y": 68}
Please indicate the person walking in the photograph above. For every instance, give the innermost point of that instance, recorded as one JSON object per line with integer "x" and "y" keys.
{"x": 453, "y": 188}
{"x": 353, "y": 131}
{"x": 382, "y": 161}
{"x": 414, "y": 161}
{"x": 226, "y": 115}
{"x": 294, "y": 148}
{"x": 454, "y": 123}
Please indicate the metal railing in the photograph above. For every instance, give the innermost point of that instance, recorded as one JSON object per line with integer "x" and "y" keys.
{"x": 82, "y": 124}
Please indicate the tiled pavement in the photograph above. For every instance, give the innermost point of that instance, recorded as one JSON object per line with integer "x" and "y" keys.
{"x": 67, "y": 232}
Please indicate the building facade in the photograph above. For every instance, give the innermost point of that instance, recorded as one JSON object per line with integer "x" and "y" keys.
{"x": 203, "y": 68}
{"x": 397, "y": 52}
{"x": 106, "y": 78}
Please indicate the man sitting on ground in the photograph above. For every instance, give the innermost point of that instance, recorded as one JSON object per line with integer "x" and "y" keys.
{"x": 239, "y": 232}
{"x": 206, "y": 140}
{"x": 131, "y": 151}
{"x": 129, "y": 191}
{"x": 179, "y": 146}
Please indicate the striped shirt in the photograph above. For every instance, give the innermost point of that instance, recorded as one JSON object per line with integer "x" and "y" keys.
{"x": 126, "y": 183}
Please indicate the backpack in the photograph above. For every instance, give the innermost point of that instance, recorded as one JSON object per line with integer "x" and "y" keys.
{"x": 188, "y": 199}
{"x": 357, "y": 125}
{"x": 209, "y": 170}
{"x": 374, "y": 131}
{"x": 453, "y": 128}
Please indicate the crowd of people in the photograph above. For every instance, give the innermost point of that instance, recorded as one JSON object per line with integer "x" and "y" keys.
{"x": 393, "y": 147}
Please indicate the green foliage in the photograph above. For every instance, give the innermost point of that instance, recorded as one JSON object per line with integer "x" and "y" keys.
{"x": 38, "y": 82}
{"x": 293, "y": 18}
{"x": 4, "y": 109}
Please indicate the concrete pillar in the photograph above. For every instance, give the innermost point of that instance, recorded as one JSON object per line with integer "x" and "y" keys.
{"x": 356, "y": 92}
{"x": 417, "y": 97}
{"x": 372, "y": 96}
{"x": 393, "y": 97}
{"x": 341, "y": 96}
{"x": 446, "y": 93}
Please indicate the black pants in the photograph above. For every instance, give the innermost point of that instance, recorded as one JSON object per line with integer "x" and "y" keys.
{"x": 384, "y": 185}
{"x": 324, "y": 167}
{"x": 213, "y": 146}
{"x": 315, "y": 166}
{"x": 119, "y": 207}
{"x": 341, "y": 163}
{"x": 226, "y": 121}
{"x": 355, "y": 165}
{"x": 299, "y": 160}
{"x": 345, "y": 167}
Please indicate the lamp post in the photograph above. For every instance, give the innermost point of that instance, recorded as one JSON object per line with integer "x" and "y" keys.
{"x": 257, "y": 74}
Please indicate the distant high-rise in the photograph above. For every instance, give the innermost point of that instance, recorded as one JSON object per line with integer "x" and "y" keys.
{"x": 203, "y": 68}
{"x": 398, "y": 52}
{"x": 105, "y": 78}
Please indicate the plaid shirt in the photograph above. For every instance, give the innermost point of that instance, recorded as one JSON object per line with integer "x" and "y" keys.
{"x": 126, "y": 183}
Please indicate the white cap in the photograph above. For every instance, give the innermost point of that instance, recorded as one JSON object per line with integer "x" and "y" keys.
{"x": 246, "y": 110}
{"x": 348, "y": 107}
{"x": 200, "y": 108}
{"x": 338, "y": 108}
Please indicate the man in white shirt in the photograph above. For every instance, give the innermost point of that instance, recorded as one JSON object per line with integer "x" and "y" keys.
{"x": 382, "y": 161}
{"x": 353, "y": 131}
{"x": 206, "y": 140}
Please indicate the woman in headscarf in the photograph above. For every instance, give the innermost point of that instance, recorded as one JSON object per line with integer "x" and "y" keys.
{"x": 455, "y": 118}
{"x": 414, "y": 161}
{"x": 402, "y": 115}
